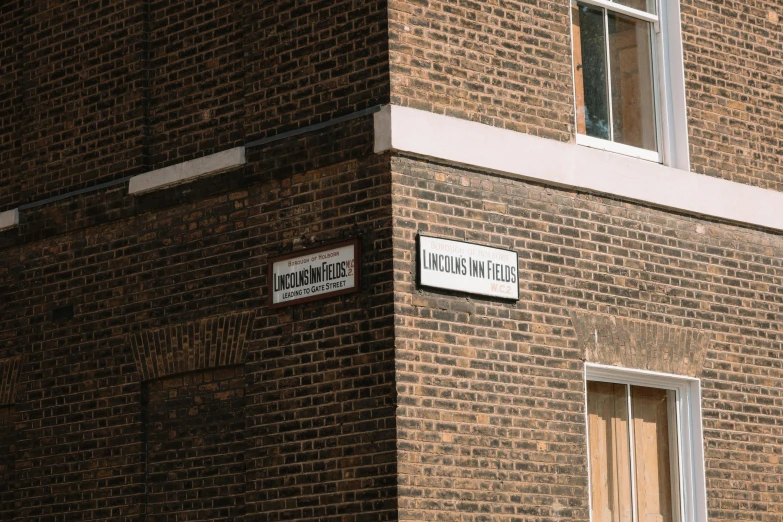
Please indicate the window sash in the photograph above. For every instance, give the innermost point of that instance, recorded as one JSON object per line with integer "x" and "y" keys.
{"x": 659, "y": 120}
{"x": 670, "y": 85}
{"x": 619, "y": 8}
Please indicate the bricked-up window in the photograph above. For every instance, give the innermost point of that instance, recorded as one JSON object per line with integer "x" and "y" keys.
{"x": 195, "y": 446}
{"x": 7, "y": 461}
{"x": 618, "y": 76}
{"x": 641, "y": 437}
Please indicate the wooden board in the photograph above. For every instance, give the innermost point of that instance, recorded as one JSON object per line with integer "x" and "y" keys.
{"x": 610, "y": 461}
{"x": 652, "y": 432}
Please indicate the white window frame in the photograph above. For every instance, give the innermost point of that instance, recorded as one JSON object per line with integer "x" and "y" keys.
{"x": 669, "y": 87}
{"x": 693, "y": 494}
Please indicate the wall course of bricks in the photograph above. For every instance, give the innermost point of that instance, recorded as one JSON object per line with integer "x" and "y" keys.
{"x": 508, "y": 64}
{"x": 318, "y": 378}
{"x": 636, "y": 344}
{"x": 95, "y": 93}
{"x": 394, "y": 403}
{"x": 211, "y": 342}
{"x": 9, "y": 376}
{"x": 309, "y": 61}
{"x": 491, "y": 419}
{"x": 195, "y": 446}
{"x": 7, "y": 462}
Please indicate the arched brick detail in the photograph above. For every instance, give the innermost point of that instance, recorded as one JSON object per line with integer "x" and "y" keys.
{"x": 206, "y": 343}
{"x": 9, "y": 375}
{"x": 642, "y": 345}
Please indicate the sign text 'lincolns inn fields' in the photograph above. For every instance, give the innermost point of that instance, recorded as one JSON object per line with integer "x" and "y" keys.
{"x": 468, "y": 267}
{"x": 314, "y": 273}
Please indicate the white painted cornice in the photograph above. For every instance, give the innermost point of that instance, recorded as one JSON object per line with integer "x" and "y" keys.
{"x": 187, "y": 171}
{"x": 9, "y": 219}
{"x": 468, "y": 143}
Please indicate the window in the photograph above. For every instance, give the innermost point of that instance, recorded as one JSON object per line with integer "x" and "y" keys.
{"x": 645, "y": 451}
{"x": 628, "y": 81}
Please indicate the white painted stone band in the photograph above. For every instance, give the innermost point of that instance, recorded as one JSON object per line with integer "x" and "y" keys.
{"x": 574, "y": 166}
{"x": 9, "y": 219}
{"x": 187, "y": 171}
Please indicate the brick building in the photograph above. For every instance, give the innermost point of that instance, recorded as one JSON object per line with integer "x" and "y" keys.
{"x": 159, "y": 159}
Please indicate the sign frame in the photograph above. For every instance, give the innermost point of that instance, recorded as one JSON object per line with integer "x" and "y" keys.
{"x": 419, "y": 262}
{"x": 357, "y": 252}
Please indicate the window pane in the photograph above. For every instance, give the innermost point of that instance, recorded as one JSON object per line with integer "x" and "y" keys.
{"x": 609, "y": 448}
{"x": 592, "y": 104}
{"x": 655, "y": 454}
{"x": 633, "y": 100}
{"x": 642, "y": 5}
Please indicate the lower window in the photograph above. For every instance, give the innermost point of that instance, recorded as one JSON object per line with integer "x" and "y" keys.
{"x": 645, "y": 464}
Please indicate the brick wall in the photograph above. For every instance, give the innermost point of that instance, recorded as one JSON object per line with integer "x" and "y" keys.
{"x": 491, "y": 419}
{"x": 82, "y": 99}
{"x": 196, "y": 79}
{"x": 111, "y": 91}
{"x": 321, "y": 404}
{"x": 508, "y": 64}
{"x": 732, "y": 78}
{"x": 195, "y": 446}
{"x": 12, "y": 22}
{"x": 7, "y": 462}
{"x": 482, "y": 417}
{"x": 308, "y": 61}
{"x": 93, "y": 93}
{"x": 77, "y": 284}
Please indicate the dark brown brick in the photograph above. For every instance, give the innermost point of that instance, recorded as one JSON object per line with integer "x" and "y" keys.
{"x": 309, "y": 61}
{"x": 7, "y": 462}
{"x": 394, "y": 403}
{"x": 195, "y": 446}
{"x": 81, "y": 104}
{"x": 175, "y": 259}
{"x": 196, "y": 61}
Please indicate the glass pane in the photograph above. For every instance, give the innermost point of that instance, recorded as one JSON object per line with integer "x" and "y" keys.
{"x": 642, "y": 5}
{"x": 609, "y": 448}
{"x": 655, "y": 454}
{"x": 592, "y": 104}
{"x": 633, "y": 97}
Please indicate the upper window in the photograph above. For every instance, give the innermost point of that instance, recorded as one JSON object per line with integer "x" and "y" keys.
{"x": 644, "y": 444}
{"x": 623, "y": 94}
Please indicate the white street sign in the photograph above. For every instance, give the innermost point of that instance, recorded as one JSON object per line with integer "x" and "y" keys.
{"x": 314, "y": 274}
{"x": 468, "y": 267}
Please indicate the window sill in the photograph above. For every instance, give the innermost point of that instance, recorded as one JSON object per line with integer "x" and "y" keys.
{"x": 618, "y": 148}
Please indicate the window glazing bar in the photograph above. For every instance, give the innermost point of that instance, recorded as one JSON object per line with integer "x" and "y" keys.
{"x": 634, "y": 508}
{"x": 619, "y": 8}
{"x": 608, "y": 75}
{"x": 659, "y": 84}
